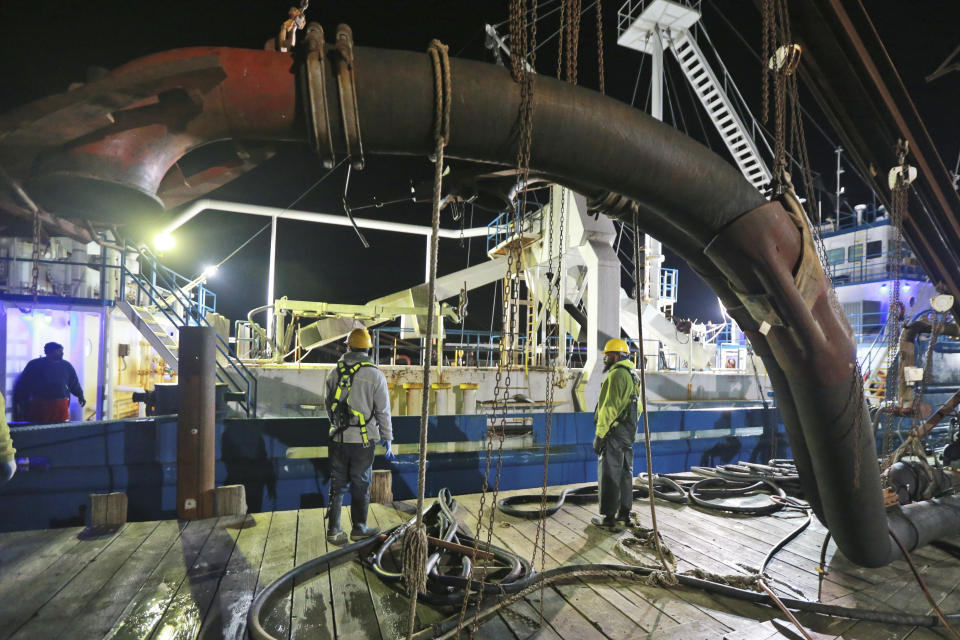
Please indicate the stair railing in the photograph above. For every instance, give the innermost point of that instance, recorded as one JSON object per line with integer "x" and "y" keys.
{"x": 164, "y": 289}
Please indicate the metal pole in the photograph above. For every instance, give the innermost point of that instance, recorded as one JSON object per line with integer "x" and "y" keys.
{"x": 196, "y": 429}
{"x": 271, "y": 274}
{"x": 656, "y": 76}
{"x": 836, "y": 212}
{"x": 426, "y": 262}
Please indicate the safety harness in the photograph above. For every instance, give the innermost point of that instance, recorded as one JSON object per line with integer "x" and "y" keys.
{"x": 343, "y": 416}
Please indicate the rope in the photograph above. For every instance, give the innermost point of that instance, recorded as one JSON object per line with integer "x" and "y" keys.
{"x": 415, "y": 538}
{"x": 641, "y": 360}
{"x": 923, "y": 586}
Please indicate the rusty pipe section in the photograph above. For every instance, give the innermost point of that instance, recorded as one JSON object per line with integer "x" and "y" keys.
{"x": 758, "y": 256}
{"x": 907, "y": 351}
{"x": 605, "y": 143}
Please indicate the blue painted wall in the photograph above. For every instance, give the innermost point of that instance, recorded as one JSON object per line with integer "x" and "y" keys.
{"x": 68, "y": 462}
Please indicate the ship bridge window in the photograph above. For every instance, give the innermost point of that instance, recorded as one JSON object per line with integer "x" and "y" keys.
{"x": 874, "y": 249}
{"x": 836, "y": 256}
{"x": 855, "y": 252}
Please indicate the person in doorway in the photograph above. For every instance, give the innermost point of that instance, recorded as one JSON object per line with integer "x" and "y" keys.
{"x": 42, "y": 392}
{"x": 616, "y": 416}
{"x": 358, "y": 405}
{"x": 8, "y": 460}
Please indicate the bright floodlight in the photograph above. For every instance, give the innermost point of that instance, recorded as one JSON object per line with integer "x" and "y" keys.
{"x": 164, "y": 242}
{"x": 209, "y": 271}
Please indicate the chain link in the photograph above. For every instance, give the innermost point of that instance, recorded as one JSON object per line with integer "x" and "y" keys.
{"x": 898, "y": 204}
{"x": 600, "y": 69}
{"x": 35, "y": 279}
{"x": 766, "y": 29}
{"x": 523, "y": 37}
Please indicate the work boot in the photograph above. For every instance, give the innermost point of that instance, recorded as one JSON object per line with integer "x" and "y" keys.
{"x": 335, "y": 535}
{"x": 358, "y": 512}
{"x": 606, "y": 523}
{"x": 625, "y": 519}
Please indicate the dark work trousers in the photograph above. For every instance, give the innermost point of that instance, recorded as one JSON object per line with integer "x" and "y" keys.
{"x": 615, "y": 478}
{"x": 351, "y": 464}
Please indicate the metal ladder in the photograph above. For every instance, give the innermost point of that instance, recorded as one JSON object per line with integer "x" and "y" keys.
{"x": 719, "y": 108}
{"x": 149, "y": 327}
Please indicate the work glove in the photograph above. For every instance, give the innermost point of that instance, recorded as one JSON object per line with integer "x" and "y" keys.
{"x": 388, "y": 454}
{"x": 597, "y": 445}
{"x": 82, "y": 401}
{"x": 7, "y": 469}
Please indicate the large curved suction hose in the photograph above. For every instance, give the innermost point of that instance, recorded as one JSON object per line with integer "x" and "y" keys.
{"x": 758, "y": 256}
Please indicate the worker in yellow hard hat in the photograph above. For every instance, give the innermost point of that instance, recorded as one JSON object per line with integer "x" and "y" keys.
{"x": 358, "y": 405}
{"x": 616, "y": 416}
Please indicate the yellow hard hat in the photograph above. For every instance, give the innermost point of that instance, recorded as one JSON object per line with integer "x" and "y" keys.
{"x": 616, "y": 345}
{"x": 359, "y": 339}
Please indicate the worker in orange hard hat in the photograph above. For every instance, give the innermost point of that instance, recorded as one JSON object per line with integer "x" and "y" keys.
{"x": 616, "y": 416}
{"x": 358, "y": 405}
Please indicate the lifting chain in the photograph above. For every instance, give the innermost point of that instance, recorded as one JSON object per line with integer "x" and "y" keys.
{"x": 898, "y": 208}
{"x": 775, "y": 30}
{"x": 35, "y": 277}
{"x": 573, "y": 48}
{"x": 600, "y": 70}
{"x": 766, "y": 9}
{"x": 552, "y": 306}
{"x": 523, "y": 38}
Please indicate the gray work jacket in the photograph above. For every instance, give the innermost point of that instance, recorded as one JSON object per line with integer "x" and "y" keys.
{"x": 368, "y": 394}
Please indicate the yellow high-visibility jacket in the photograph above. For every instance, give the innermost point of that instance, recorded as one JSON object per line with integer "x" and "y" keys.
{"x": 616, "y": 394}
{"x": 7, "y": 452}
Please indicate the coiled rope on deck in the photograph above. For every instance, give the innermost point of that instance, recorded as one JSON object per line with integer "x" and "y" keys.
{"x": 415, "y": 537}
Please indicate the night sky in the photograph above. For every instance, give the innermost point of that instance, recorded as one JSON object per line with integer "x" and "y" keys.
{"x": 47, "y": 45}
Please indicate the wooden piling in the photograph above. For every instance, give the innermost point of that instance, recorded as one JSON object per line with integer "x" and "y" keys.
{"x": 196, "y": 439}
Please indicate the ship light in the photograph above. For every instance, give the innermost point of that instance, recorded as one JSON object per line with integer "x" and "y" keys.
{"x": 210, "y": 270}
{"x": 164, "y": 242}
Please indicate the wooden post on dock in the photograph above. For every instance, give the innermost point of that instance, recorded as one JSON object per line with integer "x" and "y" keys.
{"x": 196, "y": 439}
{"x": 381, "y": 489}
{"x": 231, "y": 500}
{"x": 108, "y": 509}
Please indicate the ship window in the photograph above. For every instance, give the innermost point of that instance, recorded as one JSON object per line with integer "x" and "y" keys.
{"x": 836, "y": 256}
{"x": 855, "y": 253}
{"x": 874, "y": 249}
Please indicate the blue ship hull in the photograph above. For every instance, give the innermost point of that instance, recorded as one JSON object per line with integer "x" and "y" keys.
{"x": 68, "y": 462}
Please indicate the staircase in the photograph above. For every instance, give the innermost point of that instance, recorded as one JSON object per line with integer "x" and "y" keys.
{"x": 145, "y": 322}
{"x": 651, "y": 26}
{"x": 719, "y": 108}
{"x": 875, "y": 386}
{"x": 156, "y": 293}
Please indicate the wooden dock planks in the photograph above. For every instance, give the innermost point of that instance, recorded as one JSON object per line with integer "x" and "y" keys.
{"x": 147, "y": 606}
{"x": 57, "y": 616}
{"x": 312, "y": 606}
{"x": 196, "y": 580}
{"x": 61, "y": 566}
